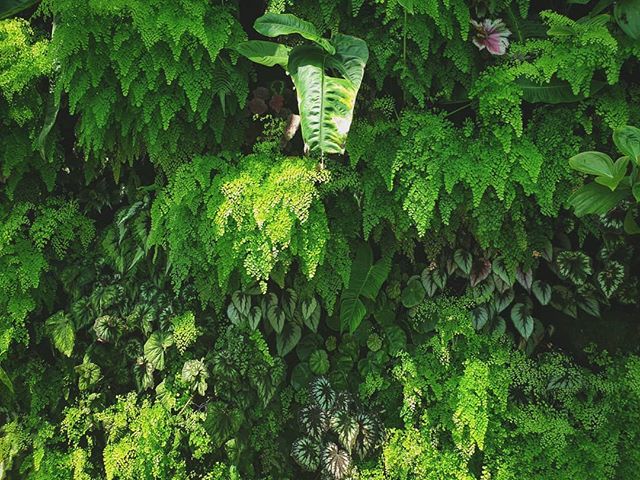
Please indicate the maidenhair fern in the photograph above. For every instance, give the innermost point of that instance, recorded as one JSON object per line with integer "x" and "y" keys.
{"x": 216, "y": 219}
{"x": 147, "y": 76}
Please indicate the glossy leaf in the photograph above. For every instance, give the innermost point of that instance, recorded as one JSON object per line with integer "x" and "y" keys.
{"x": 277, "y": 24}
{"x": 325, "y": 102}
{"x": 365, "y": 280}
{"x": 522, "y": 320}
{"x": 627, "y": 138}
{"x": 463, "y": 260}
{"x": 155, "y": 348}
{"x": 595, "y": 199}
{"x": 542, "y": 291}
{"x": 288, "y": 338}
{"x": 60, "y": 329}
{"x": 265, "y": 53}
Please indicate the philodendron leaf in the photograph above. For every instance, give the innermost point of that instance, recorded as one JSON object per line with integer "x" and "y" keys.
{"x": 595, "y": 198}
{"x": 627, "y": 139}
{"x": 593, "y": 163}
{"x": 522, "y": 320}
{"x": 277, "y": 24}
{"x": 60, "y": 329}
{"x": 325, "y": 102}
{"x": 542, "y": 291}
{"x": 265, "y": 53}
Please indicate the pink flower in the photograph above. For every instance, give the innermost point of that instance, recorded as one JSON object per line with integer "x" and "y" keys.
{"x": 492, "y": 35}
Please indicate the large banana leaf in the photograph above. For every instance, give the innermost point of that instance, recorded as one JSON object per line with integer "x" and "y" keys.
{"x": 326, "y": 102}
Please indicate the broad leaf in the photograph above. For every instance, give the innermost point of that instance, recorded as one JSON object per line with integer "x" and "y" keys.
{"x": 155, "y": 348}
{"x": 326, "y": 102}
{"x": 277, "y": 24}
{"x": 306, "y": 452}
{"x": 593, "y": 163}
{"x": 480, "y": 271}
{"x": 630, "y": 225}
{"x": 525, "y": 278}
{"x": 336, "y": 462}
{"x": 319, "y": 362}
{"x": 397, "y": 339}
{"x": 276, "y": 318}
{"x": 627, "y": 139}
{"x": 288, "y": 338}
{"x": 610, "y": 278}
{"x": 479, "y": 317}
{"x": 575, "y": 266}
{"x": 595, "y": 199}
{"x": 627, "y": 15}
{"x": 311, "y": 314}
{"x": 542, "y": 291}
{"x": 365, "y": 281}
{"x": 265, "y": 53}
{"x": 506, "y": 274}
{"x": 463, "y": 260}
{"x": 414, "y": 293}
{"x": 522, "y": 320}
{"x": 618, "y": 172}
{"x": 60, "y": 329}
{"x": 502, "y": 301}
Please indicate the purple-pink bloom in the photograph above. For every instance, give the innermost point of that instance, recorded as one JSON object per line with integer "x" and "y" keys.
{"x": 492, "y": 35}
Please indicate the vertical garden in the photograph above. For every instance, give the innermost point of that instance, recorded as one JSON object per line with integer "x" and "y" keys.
{"x": 334, "y": 239}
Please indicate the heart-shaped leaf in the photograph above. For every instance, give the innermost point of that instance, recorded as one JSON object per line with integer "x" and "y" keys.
{"x": 522, "y": 320}
{"x": 463, "y": 261}
{"x": 542, "y": 291}
{"x": 414, "y": 293}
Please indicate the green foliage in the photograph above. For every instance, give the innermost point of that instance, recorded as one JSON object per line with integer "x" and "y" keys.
{"x": 152, "y": 78}
{"x": 184, "y": 295}
{"x": 30, "y": 237}
{"x": 216, "y": 219}
{"x": 326, "y": 102}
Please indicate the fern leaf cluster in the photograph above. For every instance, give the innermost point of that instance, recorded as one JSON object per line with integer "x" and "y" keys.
{"x": 144, "y": 77}
{"x": 216, "y": 219}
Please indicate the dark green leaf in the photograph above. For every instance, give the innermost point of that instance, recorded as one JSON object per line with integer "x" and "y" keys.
{"x": 522, "y": 320}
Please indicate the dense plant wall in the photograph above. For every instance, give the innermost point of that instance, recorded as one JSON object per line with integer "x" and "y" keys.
{"x": 346, "y": 239}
